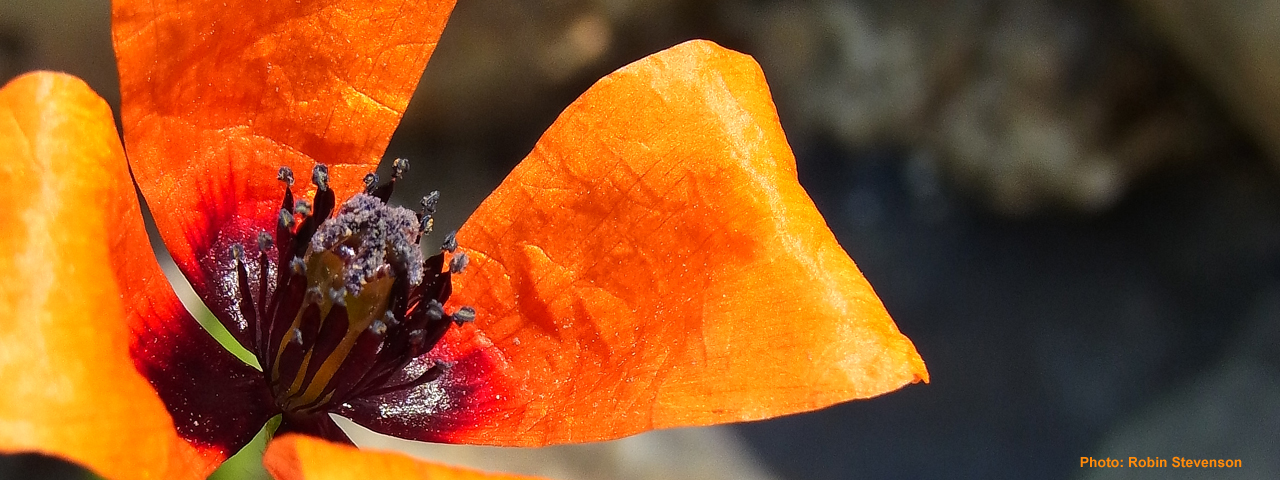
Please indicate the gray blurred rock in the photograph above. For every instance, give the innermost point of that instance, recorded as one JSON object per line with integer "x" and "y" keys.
{"x": 1026, "y": 103}
{"x": 1030, "y": 104}
{"x": 1235, "y": 47}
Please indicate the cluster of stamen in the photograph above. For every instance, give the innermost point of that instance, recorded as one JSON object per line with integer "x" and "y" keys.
{"x": 352, "y": 300}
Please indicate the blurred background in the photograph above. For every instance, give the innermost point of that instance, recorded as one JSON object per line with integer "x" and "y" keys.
{"x": 1071, "y": 207}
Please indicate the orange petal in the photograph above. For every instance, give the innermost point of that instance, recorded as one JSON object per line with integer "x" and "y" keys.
{"x": 654, "y": 263}
{"x": 217, "y": 402}
{"x": 299, "y": 457}
{"x": 218, "y": 94}
{"x": 70, "y": 217}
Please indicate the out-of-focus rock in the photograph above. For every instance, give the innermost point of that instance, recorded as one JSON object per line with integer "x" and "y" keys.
{"x": 1233, "y": 46}
{"x": 1028, "y": 103}
{"x": 504, "y": 70}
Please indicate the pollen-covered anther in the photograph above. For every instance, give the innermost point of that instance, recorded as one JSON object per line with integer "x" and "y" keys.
{"x": 264, "y": 241}
{"x": 383, "y": 191}
{"x": 338, "y": 296}
{"x": 429, "y": 203}
{"x": 354, "y": 302}
{"x": 459, "y": 262}
{"x": 398, "y": 167}
{"x": 464, "y": 315}
{"x": 285, "y": 220}
{"x": 285, "y": 174}
{"x": 237, "y": 252}
{"x": 450, "y": 242}
{"x": 426, "y": 216}
{"x": 434, "y": 311}
{"x": 389, "y": 319}
{"x": 378, "y": 327}
{"x": 320, "y": 176}
{"x": 367, "y": 235}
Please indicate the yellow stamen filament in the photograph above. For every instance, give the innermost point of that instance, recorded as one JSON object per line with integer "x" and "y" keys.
{"x": 322, "y": 268}
{"x": 302, "y": 371}
{"x": 362, "y": 310}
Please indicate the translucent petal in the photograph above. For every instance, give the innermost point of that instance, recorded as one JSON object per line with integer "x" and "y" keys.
{"x": 654, "y": 263}
{"x": 218, "y": 94}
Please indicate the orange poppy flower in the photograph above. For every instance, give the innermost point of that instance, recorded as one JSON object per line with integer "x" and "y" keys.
{"x": 652, "y": 263}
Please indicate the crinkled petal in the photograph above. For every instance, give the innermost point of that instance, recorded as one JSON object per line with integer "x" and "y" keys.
{"x": 218, "y": 94}
{"x": 654, "y": 263}
{"x": 71, "y": 225}
{"x": 298, "y": 457}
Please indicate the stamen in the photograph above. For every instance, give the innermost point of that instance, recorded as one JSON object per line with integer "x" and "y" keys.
{"x": 458, "y": 262}
{"x": 435, "y": 312}
{"x": 464, "y": 315}
{"x": 383, "y": 192}
{"x": 264, "y": 241}
{"x": 436, "y": 371}
{"x": 426, "y": 218}
{"x": 398, "y": 167}
{"x": 260, "y": 307}
{"x": 360, "y": 271}
{"x": 298, "y": 266}
{"x": 312, "y": 295}
{"x": 338, "y": 296}
{"x": 320, "y": 176}
{"x": 285, "y": 174}
{"x": 286, "y": 219}
{"x": 284, "y": 236}
{"x": 320, "y": 207}
{"x": 246, "y": 306}
{"x": 390, "y": 319}
{"x": 429, "y": 203}
{"x": 450, "y": 242}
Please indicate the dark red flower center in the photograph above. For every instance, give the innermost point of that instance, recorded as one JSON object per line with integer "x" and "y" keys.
{"x": 353, "y": 300}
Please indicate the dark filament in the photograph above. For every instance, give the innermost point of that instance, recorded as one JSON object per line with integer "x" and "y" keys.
{"x": 353, "y": 300}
